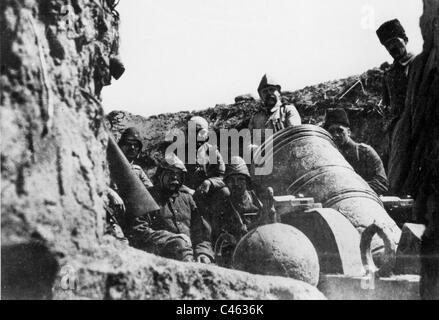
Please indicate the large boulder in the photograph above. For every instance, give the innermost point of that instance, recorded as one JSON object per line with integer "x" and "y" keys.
{"x": 279, "y": 250}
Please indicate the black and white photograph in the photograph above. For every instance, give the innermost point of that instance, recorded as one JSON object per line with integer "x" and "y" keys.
{"x": 219, "y": 154}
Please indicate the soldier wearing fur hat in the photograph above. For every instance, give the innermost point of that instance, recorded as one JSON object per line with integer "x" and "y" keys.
{"x": 362, "y": 157}
{"x": 393, "y": 37}
{"x": 177, "y": 231}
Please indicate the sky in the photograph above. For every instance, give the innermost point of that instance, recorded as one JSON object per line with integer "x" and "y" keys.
{"x": 185, "y": 55}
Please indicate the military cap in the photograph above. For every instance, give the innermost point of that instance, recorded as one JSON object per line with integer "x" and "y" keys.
{"x": 268, "y": 81}
{"x": 390, "y": 30}
{"x": 336, "y": 116}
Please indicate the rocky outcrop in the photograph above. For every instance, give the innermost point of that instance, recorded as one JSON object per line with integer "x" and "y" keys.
{"x": 359, "y": 95}
{"x": 56, "y": 56}
{"x": 54, "y": 62}
{"x": 126, "y": 273}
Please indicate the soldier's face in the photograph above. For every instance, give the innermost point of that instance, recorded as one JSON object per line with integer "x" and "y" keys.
{"x": 340, "y": 134}
{"x": 237, "y": 184}
{"x": 397, "y": 48}
{"x": 172, "y": 179}
{"x": 131, "y": 149}
{"x": 270, "y": 96}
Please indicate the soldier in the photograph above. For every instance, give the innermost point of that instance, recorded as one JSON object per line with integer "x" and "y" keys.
{"x": 131, "y": 146}
{"x": 393, "y": 37}
{"x": 362, "y": 157}
{"x": 205, "y": 176}
{"x": 240, "y": 212}
{"x": 274, "y": 114}
{"x": 177, "y": 231}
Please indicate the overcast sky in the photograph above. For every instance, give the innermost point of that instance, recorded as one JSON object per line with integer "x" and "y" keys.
{"x": 194, "y": 54}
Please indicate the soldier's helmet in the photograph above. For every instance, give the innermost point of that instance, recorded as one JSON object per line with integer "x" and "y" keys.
{"x": 237, "y": 166}
{"x": 200, "y": 122}
{"x": 130, "y": 135}
{"x": 172, "y": 162}
{"x": 202, "y": 127}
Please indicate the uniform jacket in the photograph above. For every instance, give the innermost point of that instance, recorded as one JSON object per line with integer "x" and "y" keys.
{"x": 287, "y": 116}
{"x": 204, "y": 169}
{"x": 395, "y": 86}
{"x": 142, "y": 175}
{"x": 178, "y": 215}
{"x": 284, "y": 117}
{"x": 418, "y": 160}
{"x": 231, "y": 216}
{"x": 395, "y": 92}
{"x": 367, "y": 163}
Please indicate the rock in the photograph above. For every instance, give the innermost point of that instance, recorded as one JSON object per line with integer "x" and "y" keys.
{"x": 28, "y": 271}
{"x": 135, "y": 275}
{"x": 54, "y": 171}
{"x": 280, "y": 250}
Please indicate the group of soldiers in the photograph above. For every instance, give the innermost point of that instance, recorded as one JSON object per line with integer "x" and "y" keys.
{"x": 205, "y": 203}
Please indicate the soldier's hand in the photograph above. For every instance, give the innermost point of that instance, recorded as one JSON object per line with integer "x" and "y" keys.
{"x": 203, "y": 259}
{"x": 116, "y": 200}
{"x": 268, "y": 198}
{"x": 204, "y": 187}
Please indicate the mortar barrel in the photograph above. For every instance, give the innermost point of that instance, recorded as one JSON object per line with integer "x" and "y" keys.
{"x": 136, "y": 197}
{"x": 306, "y": 161}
